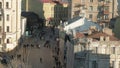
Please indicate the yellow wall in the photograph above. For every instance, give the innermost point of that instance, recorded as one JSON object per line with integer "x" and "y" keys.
{"x": 48, "y": 9}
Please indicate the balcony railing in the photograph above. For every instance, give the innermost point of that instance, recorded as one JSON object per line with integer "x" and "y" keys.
{"x": 9, "y": 34}
{"x": 9, "y": 46}
{"x": 105, "y": 12}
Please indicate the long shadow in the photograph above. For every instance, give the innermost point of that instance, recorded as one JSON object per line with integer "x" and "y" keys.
{"x": 88, "y": 59}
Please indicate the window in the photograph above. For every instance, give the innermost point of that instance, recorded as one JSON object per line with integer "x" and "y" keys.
{"x": 90, "y": 16}
{"x": 8, "y": 17}
{"x": 91, "y": 0}
{"x": 91, "y": 8}
{"x": 8, "y": 40}
{"x": 0, "y": 5}
{"x": 0, "y": 40}
{"x": 106, "y": 17}
{"x": 94, "y": 64}
{"x": 112, "y": 50}
{"x": 8, "y": 29}
{"x": 7, "y": 5}
{"x": 0, "y": 17}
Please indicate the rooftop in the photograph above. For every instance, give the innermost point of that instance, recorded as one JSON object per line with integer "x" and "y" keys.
{"x": 99, "y": 34}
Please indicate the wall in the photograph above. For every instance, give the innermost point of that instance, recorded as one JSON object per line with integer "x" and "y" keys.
{"x": 34, "y": 6}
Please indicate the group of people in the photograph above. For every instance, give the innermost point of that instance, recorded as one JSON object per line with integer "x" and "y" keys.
{"x": 57, "y": 54}
{"x": 31, "y": 45}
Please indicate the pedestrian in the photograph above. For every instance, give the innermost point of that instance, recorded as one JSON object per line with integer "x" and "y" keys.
{"x": 32, "y": 45}
{"x": 38, "y": 46}
{"x": 40, "y": 60}
{"x": 67, "y": 38}
{"x": 46, "y": 43}
{"x": 58, "y": 41}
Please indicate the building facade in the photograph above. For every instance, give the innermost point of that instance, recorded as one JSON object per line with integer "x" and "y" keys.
{"x": 10, "y": 24}
{"x": 98, "y": 50}
{"x": 94, "y": 10}
{"x": 53, "y": 11}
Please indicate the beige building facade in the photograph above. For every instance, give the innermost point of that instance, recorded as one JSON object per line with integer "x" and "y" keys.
{"x": 54, "y": 12}
{"x": 94, "y": 10}
{"x": 10, "y": 24}
{"x": 98, "y": 50}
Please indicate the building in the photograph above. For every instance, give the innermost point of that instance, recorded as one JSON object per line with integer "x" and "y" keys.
{"x": 81, "y": 25}
{"x": 98, "y": 50}
{"x": 117, "y": 23}
{"x": 118, "y": 6}
{"x": 10, "y": 24}
{"x": 53, "y": 11}
{"x": 95, "y": 10}
{"x": 35, "y": 6}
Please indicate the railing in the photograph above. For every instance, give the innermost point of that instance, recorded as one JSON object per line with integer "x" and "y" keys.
{"x": 9, "y": 34}
{"x": 105, "y": 12}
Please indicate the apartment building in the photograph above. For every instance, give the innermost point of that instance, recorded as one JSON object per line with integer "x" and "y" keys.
{"x": 10, "y": 24}
{"x": 53, "y": 11}
{"x": 94, "y": 10}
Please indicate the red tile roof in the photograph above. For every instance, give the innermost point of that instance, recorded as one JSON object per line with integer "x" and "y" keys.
{"x": 97, "y": 35}
{"x": 79, "y": 35}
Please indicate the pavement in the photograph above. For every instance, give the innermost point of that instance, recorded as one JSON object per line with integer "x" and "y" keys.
{"x": 43, "y": 57}
{"x": 29, "y": 55}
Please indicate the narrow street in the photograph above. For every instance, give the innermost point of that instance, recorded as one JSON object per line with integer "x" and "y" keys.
{"x": 39, "y": 53}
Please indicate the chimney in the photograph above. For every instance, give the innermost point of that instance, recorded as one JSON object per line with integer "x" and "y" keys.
{"x": 89, "y": 32}
{"x": 107, "y": 38}
{"x": 101, "y": 38}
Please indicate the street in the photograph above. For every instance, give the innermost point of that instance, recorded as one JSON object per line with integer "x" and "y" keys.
{"x": 36, "y": 52}
{"x": 46, "y": 51}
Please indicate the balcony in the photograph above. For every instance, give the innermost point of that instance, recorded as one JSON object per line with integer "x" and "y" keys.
{"x": 105, "y": 12}
{"x": 79, "y": 5}
{"x": 9, "y": 34}
{"x": 9, "y": 46}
